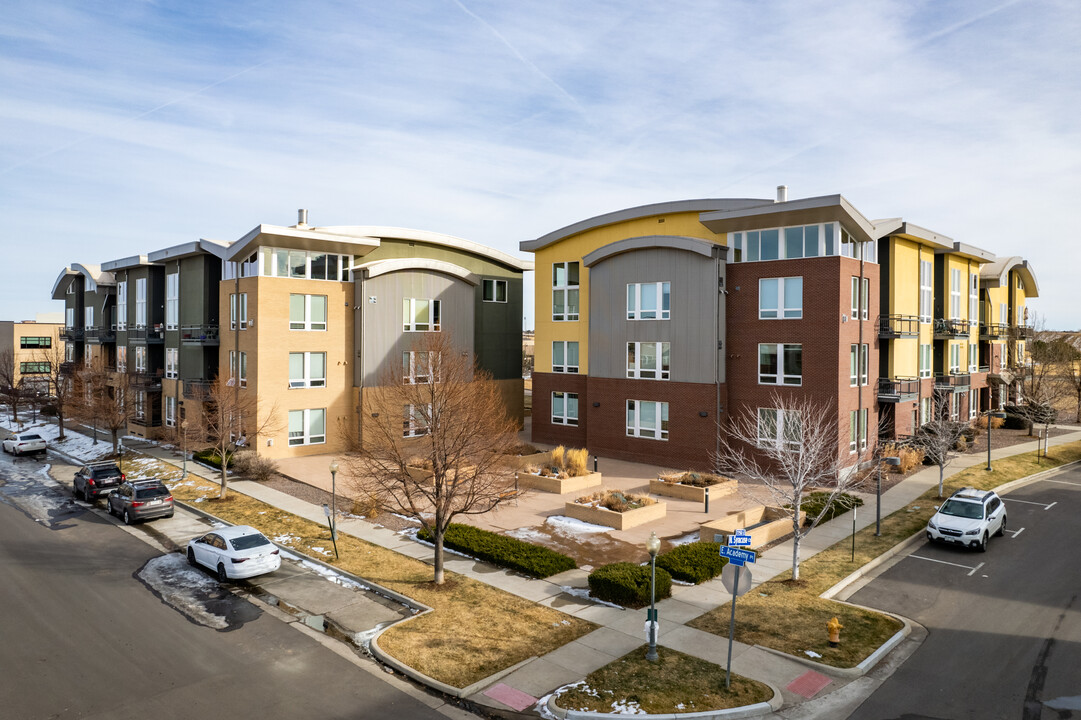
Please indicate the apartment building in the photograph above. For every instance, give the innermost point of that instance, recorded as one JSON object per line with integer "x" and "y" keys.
{"x": 305, "y": 319}
{"x": 33, "y": 344}
{"x": 658, "y": 324}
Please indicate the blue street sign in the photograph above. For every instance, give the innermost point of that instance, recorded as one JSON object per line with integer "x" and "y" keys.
{"x": 739, "y": 539}
{"x": 738, "y": 556}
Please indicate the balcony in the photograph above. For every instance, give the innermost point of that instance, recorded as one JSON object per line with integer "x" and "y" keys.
{"x": 891, "y": 327}
{"x": 145, "y": 420}
{"x": 146, "y": 335}
{"x": 994, "y": 331}
{"x": 955, "y": 381}
{"x": 196, "y": 389}
{"x": 71, "y": 334}
{"x": 894, "y": 390}
{"x": 146, "y": 381}
{"x": 100, "y": 335}
{"x": 951, "y": 328}
{"x": 1025, "y": 332}
{"x": 67, "y": 368}
{"x": 206, "y": 335}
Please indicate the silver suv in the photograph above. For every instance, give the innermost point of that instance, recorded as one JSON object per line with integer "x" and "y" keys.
{"x": 969, "y": 517}
{"x": 141, "y": 500}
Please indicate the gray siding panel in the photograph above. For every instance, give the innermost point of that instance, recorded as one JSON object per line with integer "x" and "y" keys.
{"x": 694, "y": 326}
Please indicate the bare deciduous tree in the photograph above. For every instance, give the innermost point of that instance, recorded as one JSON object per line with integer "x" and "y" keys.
{"x": 61, "y": 385}
{"x": 798, "y": 453}
{"x": 440, "y": 413}
{"x": 105, "y": 399}
{"x": 939, "y": 439}
{"x": 11, "y": 385}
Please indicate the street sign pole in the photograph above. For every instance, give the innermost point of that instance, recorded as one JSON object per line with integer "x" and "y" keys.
{"x": 737, "y": 556}
{"x": 731, "y": 632}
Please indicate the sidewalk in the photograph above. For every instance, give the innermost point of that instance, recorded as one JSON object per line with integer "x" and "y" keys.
{"x": 623, "y": 630}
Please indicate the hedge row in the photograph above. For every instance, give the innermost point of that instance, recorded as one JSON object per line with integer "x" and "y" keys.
{"x": 628, "y": 584}
{"x": 529, "y": 559}
{"x": 693, "y": 562}
{"x": 211, "y": 457}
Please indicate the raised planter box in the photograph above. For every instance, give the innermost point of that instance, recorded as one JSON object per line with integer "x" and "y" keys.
{"x": 555, "y": 485}
{"x": 692, "y": 492}
{"x": 613, "y": 519}
{"x": 764, "y": 524}
{"x": 523, "y": 462}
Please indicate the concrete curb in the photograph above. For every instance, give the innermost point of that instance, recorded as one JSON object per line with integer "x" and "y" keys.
{"x": 873, "y": 564}
{"x": 772, "y": 705}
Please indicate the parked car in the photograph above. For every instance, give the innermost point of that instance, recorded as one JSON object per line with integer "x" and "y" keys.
{"x": 96, "y": 479}
{"x": 969, "y": 517}
{"x": 25, "y": 444}
{"x": 234, "y": 553}
{"x": 140, "y": 500}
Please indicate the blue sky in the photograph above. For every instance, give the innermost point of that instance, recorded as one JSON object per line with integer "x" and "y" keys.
{"x": 127, "y": 127}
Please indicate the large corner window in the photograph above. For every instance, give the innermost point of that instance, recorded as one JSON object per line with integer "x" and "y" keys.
{"x": 798, "y": 241}
{"x": 565, "y": 291}
{"x": 780, "y": 298}
{"x": 299, "y": 264}
{"x": 649, "y": 301}
{"x": 307, "y": 369}
{"x": 564, "y": 408}
{"x": 780, "y": 364}
{"x": 308, "y": 427}
{"x": 564, "y": 356}
{"x": 647, "y": 419}
{"x": 28, "y": 342}
{"x": 649, "y": 360}
{"x": 494, "y": 290}
{"x": 307, "y": 312}
{"x": 420, "y": 315}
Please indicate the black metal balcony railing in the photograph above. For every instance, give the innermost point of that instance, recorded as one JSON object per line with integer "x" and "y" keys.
{"x": 145, "y": 334}
{"x": 1025, "y": 332}
{"x": 100, "y": 335}
{"x": 72, "y": 333}
{"x": 951, "y": 328}
{"x": 67, "y": 368}
{"x": 993, "y": 331}
{"x": 898, "y": 326}
{"x": 953, "y": 381}
{"x": 146, "y": 420}
{"x": 196, "y": 389}
{"x": 984, "y": 369}
{"x": 892, "y": 390}
{"x": 148, "y": 381}
{"x": 199, "y": 335}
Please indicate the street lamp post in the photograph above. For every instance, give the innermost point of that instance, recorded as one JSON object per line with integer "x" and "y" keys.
{"x": 989, "y": 414}
{"x": 334, "y": 506}
{"x": 891, "y": 461}
{"x": 654, "y": 546}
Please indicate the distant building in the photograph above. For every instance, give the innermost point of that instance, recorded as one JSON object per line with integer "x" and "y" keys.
{"x": 31, "y": 343}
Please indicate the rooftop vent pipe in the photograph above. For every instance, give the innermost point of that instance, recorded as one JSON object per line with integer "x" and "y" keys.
{"x": 302, "y": 217}
{"x": 782, "y": 193}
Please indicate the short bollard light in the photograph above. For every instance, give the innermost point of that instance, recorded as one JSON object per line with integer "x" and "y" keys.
{"x": 834, "y": 627}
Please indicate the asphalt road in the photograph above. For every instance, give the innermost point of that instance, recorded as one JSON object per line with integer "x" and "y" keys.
{"x": 82, "y": 637}
{"x": 1004, "y": 627}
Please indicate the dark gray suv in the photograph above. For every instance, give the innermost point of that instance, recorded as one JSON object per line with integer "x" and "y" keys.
{"x": 96, "y": 479}
{"x": 141, "y": 500}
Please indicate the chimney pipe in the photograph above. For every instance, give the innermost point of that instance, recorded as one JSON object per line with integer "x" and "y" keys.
{"x": 782, "y": 193}
{"x": 302, "y": 217}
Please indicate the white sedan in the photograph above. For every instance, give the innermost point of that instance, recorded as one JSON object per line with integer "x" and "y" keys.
{"x": 234, "y": 552}
{"x": 25, "y": 444}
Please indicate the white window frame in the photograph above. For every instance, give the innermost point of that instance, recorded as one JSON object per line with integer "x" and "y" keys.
{"x": 233, "y": 369}
{"x": 635, "y": 428}
{"x": 955, "y": 293}
{"x": 782, "y": 376}
{"x": 781, "y": 421}
{"x": 140, "y": 405}
{"x": 826, "y": 240}
{"x": 635, "y": 368}
{"x": 566, "y": 417}
{"x": 308, "y": 324}
{"x": 855, "y": 292}
{"x": 565, "y": 347}
{"x": 69, "y": 319}
{"x": 409, "y": 310}
{"x": 172, "y": 361}
{"x": 927, "y": 278}
{"x": 140, "y": 358}
{"x": 170, "y": 411}
{"x": 955, "y": 358}
{"x": 275, "y": 262}
{"x": 243, "y": 311}
{"x": 140, "y": 303}
{"x": 415, "y": 420}
{"x": 122, "y": 305}
{"x": 973, "y": 297}
{"x": 88, "y": 318}
{"x": 490, "y": 288}
{"x": 566, "y": 290}
{"x": 172, "y": 300}
{"x": 305, "y": 436}
{"x": 1003, "y": 314}
{"x": 789, "y": 290}
{"x": 973, "y": 404}
{"x": 662, "y": 292}
{"x": 857, "y": 430}
{"x": 926, "y": 360}
{"x": 853, "y": 365}
{"x": 121, "y": 357}
{"x": 307, "y": 380}
{"x": 973, "y": 357}
{"x": 925, "y": 410}
{"x": 420, "y": 367}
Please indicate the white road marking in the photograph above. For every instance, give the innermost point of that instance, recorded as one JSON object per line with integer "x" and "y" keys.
{"x": 1051, "y": 505}
{"x": 966, "y": 567}
{"x": 1017, "y": 532}
{"x": 976, "y": 568}
{"x": 1030, "y": 502}
{"x": 1064, "y": 482}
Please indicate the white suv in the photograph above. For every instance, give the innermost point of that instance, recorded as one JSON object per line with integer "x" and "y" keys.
{"x": 969, "y": 517}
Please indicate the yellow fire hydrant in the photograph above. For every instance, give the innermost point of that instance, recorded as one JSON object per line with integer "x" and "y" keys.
{"x": 834, "y": 627}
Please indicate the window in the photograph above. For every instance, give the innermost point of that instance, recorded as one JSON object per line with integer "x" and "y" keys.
{"x": 564, "y": 408}
{"x": 69, "y": 318}
{"x": 71, "y": 288}
{"x": 238, "y": 311}
{"x": 35, "y": 342}
{"x": 973, "y": 357}
{"x": 780, "y": 298}
{"x": 140, "y": 302}
{"x": 233, "y": 369}
{"x": 415, "y": 420}
{"x": 863, "y": 363}
{"x": 420, "y": 315}
{"x": 121, "y": 357}
{"x": 140, "y": 405}
{"x": 278, "y": 262}
{"x": 307, "y": 312}
{"x": 780, "y": 364}
{"x": 171, "y": 362}
{"x": 564, "y": 356}
{"x": 1003, "y": 315}
{"x": 88, "y": 358}
{"x": 122, "y": 305}
{"x": 307, "y": 369}
{"x": 170, "y": 411}
{"x": 779, "y": 428}
{"x": 494, "y": 291}
{"x": 855, "y": 298}
{"x": 35, "y": 368}
{"x": 140, "y": 358}
{"x": 172, "y": 300}
{"x": 857, "y": 430}
{"x": 799, "y": 241}
{"x": 69, "y": 352}
{"x": 973, "y": 404}
{"x": 973, "y": 296}
{"x": 419, "y": 367}
{"x": 955, "y": 358}
{"x": 955, "y": 294}
{"x": 649, "y": 301}
{"x": 565, "y": 291}
{"x": 1001, "y": 356}
{"x": 89, "y": 317}
{"x": 865, "y": 297}
{"x": 307, "y": 427}
{"x": 925, "y": 410}
{"x": 926, "y": 278}
{"x": 648, "y": 360}
{"x": 853, "y": 365}
{"x": 647, "y": 419}
{"x": 925, "y": 361}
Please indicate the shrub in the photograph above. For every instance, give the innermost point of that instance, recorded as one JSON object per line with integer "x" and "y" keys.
{"x": 695, "y": 479}
{"x": 910, "y": 456}
{"x": 557, "y": 456}
{"x": 576, "y": 461}
{"x": 511, "y": 553}
{"x": 1016, "y": 422}
{"x": 627, "y": 584}
{"x": 694, "y": 562}
{"x": 523, "y": 449}
{"x": 210, "y": 457}
{"x": 812, "y": 505}
{"x": 615, "y": 500}
{"x": 367, "y": 506}
{"x": 996, "y": 423}
{"x": 254, "y": 466}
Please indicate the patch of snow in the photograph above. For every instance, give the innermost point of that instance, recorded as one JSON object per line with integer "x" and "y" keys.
{"x": 406, "y": 518}
{"x": 181, "y": 586}
{"x": 583, "y": 593}
{"x": 200, "y": 499}
{"x": 627, "y": 707}
{"x": 686, "y": 539}
{"x": 285, "y": 539}
{"x": 811, "y": 653}
{"x": 324, "y": 571}
{"x": 570, "y": 525}
{"x": 320, "y": 550}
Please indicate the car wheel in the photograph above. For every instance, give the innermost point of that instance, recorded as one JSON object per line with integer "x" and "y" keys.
{"x": 222, "y": 575}
{"x": 127, "y": 518}
{"x": 169, "y": 515}
{"x": 191, "y": 558}
{"x": 76, "y": 492}
{"x": 982, "y": 547}
{"x": 1002, "y": 527}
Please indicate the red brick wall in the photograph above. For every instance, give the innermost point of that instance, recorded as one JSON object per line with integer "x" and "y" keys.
{"x": 544, "y": 431}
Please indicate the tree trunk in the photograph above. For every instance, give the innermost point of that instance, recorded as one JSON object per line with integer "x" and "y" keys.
{"x": 60, "y": 422}
{"x": 437, "y": 535}
{"x": 795, "y": 552}
{"x": 942, "y": 474}
{"x": 116, "y": 439}
{"x": 224, "y": 478}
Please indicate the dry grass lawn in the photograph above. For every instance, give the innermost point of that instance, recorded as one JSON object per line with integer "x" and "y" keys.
{"x": 475, "y": 629}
